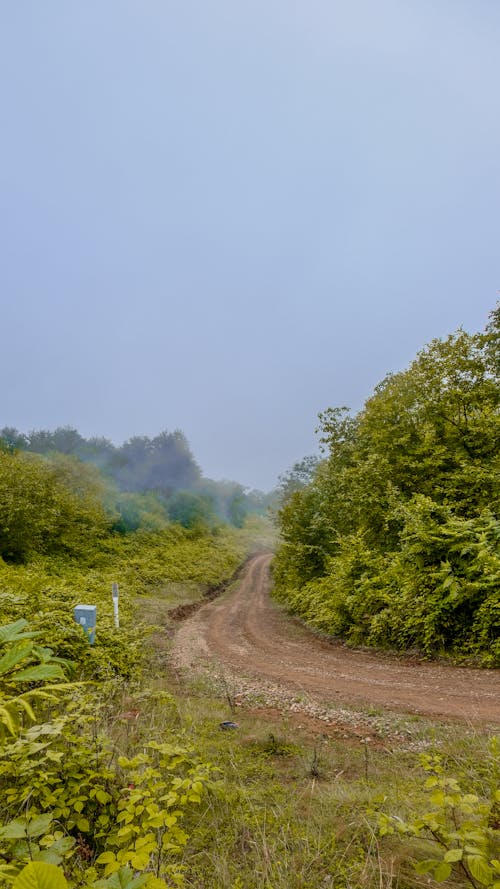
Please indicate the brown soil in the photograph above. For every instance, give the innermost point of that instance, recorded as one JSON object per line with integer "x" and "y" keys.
{"x": 251, "y": 638}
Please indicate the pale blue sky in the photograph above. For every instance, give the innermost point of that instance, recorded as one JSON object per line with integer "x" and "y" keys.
{"x": 227, "y": 215}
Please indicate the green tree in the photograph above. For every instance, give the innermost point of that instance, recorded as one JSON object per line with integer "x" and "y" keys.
{"x": 47, "y": 505}
{"x": 190, "y": 510}
{"x": 392, "y": 540}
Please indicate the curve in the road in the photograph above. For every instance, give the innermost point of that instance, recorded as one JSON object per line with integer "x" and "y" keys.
{"x": 249, "y": 633}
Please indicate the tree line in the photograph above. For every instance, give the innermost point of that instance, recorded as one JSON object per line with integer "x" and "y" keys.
{"x": 392, "y": 538}
{"x": 58, "y": 489}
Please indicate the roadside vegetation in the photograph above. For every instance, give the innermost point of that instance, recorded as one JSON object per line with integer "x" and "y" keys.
{"x": 129, "y": 780}
{"x": 117, "y": 773}
{"x": 80, "y": 800}
{"x": 392, "y": 539}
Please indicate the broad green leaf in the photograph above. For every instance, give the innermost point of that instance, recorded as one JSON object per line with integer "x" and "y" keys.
{"x": 454, "y": 855}
{"x": 38, "y": 825}
{"x": 14, "y": 631}
{"x": 15, "y": 655}
{"x": 125, "y": 879}
{"x": 140, "y": 860}
{"x": 14, "y": 830}
{"x": 431, "y": 782}
{"x": 423, "y": 867}
{"x": 40, "y": 875}
{"x": 106, "y": 858}
{"x": 38, "y": 673}
{"x": 480, "y": 869}
{"x": 49, "y": 855}
{"x": 146, "y": 840}
{"x": 442, "y": 871}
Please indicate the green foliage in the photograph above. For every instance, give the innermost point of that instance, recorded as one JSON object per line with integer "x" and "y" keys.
{"x": 25, "y": 671}
{"x": 140, "y": 511}
{"x": 163, "y": 463}
{"x": 88, "y": 798}
{"x": 46, "y": 589}
{"x": 68, "y": 799}
{"x": 47, "y": 506}
{"x": 300, "y": 475}
{"x": 40, "y": 875}
{"x": 162, "y": 783}
{"x": 190, "y": 510}
{"x": 395, "y": 539}
{"x": 462, "y": 831}
{"x": 226, "y": 500}
{"x": 141, "y": 481}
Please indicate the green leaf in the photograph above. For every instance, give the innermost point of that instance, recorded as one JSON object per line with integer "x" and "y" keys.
{"x": 38, "y": 825}
{"x": 40, "y": 875}
{"x": 26, "y": 706}
{"x": 431, "y": 782}
{"x": 38, "y": 673}
{"x": 442, "y": 871}
{"x": 454, "y": 855}
{"x": 14, "y": 631}
{"x": 423, "y": 867}
{"x": 480, "y": 869}
{"x": 140, "y": 860}
{"x": 15, "y": 655}
{"x": 9, "y": 718}
{"x": 14, "y": 830}
{"x": 125, "y": 879}
{"x": 49, "y": 855}
{"x": 106, "y": 858}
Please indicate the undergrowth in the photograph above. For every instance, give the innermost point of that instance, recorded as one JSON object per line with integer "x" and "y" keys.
{"x": 129, "y": 780}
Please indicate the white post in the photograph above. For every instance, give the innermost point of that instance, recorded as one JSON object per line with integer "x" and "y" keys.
{"x": 115, "y": 594}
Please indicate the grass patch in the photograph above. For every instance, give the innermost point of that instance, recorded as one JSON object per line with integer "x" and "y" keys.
{"x": 298, "y": 808}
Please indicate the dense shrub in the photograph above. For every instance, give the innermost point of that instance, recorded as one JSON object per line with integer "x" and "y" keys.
{"x": 394, "y": 541}
{"x": 48, "y": 506}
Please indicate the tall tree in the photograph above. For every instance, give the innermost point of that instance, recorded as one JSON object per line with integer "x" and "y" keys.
{"x": 397, "y": 530}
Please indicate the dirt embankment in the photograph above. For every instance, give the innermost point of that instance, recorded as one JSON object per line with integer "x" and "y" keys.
{"x": 254, "y": 641}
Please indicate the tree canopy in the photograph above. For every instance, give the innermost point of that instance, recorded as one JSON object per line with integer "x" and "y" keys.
{"x": 395, "y": 539}
{"x": 48, "y": 505}
{"x": 144, "y": 483}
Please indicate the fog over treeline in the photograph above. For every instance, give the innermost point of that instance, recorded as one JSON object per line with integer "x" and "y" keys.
{"x": 164, "y": 463}
{"x": 162, "y": 467}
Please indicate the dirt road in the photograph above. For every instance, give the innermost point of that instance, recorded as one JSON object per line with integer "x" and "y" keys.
{"x": 252, "y": 637}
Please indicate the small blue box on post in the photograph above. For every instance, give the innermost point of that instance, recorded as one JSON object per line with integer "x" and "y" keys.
{"x": 86, "y": 616}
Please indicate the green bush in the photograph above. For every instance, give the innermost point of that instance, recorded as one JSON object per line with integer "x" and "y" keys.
{"x": 48, "y": 506}
{"x": 394, "y": 540}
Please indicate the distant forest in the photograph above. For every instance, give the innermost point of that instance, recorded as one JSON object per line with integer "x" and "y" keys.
{"x": 146, "y": 481}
